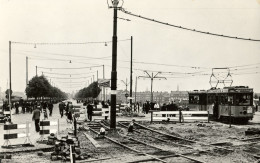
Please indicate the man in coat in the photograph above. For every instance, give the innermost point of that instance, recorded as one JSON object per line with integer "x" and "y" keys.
{"x": 90, "y": 111}
{"x": 36, "y": 117}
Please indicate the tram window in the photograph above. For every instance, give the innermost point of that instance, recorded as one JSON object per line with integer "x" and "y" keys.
{"x": 194, "y": 99}
{"x": 211, "y": 99}
{"x": 243, "y": 99}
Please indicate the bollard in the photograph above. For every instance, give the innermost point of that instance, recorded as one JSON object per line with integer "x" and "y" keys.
{"x": 151, "y": 116}
{"x": 229, "y": 116}
{"x": 208, "y": 116}
{"x": 180, "y": 116}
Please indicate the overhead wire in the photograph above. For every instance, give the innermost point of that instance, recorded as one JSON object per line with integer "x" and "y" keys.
{"x": 72, "y": 74}
{"x": 53, "y": 68}
{"x": 65, "y": 43}
{"x": 67, "y": 78}
{"x": 188, "y": 29}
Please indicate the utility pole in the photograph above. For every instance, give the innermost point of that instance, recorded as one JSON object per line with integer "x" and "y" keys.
{"x": 36, "y": 71}
{"x": 103, "y": 86}
{"x": 10, "y": 78}
{"x": 114, "y": 68}
{"x": 135, "y": 87}
{"x": 97, "y": 75}
{"x": 152, "y": 77}
{"x": 131, "y": 72}
{"x": 26, "y": 71}
{"x": 126, "y": 84}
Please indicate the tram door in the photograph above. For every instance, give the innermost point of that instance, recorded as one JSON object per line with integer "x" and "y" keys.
{"x": 216, "y": 107}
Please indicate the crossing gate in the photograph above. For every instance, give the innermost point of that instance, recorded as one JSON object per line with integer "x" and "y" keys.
{"x": 97, "y": 111}
{"x": 118, "y": 110}
{"x": 180, "y": 116}
{"x": 80, "y": 114}
{"x": 9, "y": 135}
{"x": 46, "y": 131}
{"x": 1, "y": 115}
{"x": 106, "y": 113}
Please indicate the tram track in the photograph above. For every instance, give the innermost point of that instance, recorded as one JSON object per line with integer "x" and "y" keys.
{"x": 141, "y": 147}
{"x": 173, "y": 145}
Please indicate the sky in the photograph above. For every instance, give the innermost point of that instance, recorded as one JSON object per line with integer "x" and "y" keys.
{"x": 183, "y": 59}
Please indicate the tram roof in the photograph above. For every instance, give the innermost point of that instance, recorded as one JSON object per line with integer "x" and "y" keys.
{"x": 235, "y": 89}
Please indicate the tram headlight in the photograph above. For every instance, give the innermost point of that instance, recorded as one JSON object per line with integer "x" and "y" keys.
{"x": 249, "y": 109}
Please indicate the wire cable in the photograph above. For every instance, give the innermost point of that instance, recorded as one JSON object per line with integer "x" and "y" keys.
{"x": 68, "y": 67}
{"x": 188, "y": 29}
{"x": 65, "y": 43}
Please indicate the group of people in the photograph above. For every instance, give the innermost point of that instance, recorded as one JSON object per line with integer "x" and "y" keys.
{"x": 28, "y": 107}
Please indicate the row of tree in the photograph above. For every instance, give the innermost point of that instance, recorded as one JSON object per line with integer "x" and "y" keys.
{"x": 92, "y": 91}
{"x": 39, "y": 86}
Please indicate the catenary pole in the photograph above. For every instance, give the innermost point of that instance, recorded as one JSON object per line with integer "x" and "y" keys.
{"x": 36, "y": 71}
{"x": 10, "y": 78}
{"x": 114, "y": 68}
{"x": 26, "y": 71}
{"x": 131, "y": 73}
{"x": 103, "y": 86}
{"x": 135, "y": 87}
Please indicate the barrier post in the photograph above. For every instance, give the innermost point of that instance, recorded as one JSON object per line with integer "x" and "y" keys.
{"x": 75, "y": 126}
{"x": 58, "y": 132}
{"x": 27, "y": 140}
{"x": 208, "y": 116}
{"x": 180, "y": 116}
{"x": 72, "y": 154}
{"x": 151, "y": 116}
{"x": 7, "y": 141}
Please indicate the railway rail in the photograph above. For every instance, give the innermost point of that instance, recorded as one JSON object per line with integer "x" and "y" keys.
{"x": 143, "y": 148}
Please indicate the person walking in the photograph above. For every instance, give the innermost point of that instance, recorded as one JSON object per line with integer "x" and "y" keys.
{"x": 36, "y": 117}
{"x": 16, "y": 108}
{"x": 50, "y": 106}
{"x": 61, "y": 108}
{"x": 69, "y": 114}
{"x": 90, "y": 111}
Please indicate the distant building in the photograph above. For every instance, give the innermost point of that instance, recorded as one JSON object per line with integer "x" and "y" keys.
{"x": 180, "y": 97}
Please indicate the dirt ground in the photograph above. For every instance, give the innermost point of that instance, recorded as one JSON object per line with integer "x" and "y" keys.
{"x": 207, "y": 133}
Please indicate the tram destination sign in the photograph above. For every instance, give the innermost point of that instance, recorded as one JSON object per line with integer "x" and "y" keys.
{"x": 241, "y": 90}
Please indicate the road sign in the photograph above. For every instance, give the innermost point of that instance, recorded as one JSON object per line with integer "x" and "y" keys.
{"x": 126, "y": 95}
{"x": 131, "y": 98}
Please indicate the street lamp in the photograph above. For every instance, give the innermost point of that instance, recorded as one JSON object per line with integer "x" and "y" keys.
{"x": 114, "y": 4}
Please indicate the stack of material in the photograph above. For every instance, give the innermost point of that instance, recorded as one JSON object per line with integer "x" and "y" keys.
{"x": 62, "y": 149}
{"x": 51, "y": 139}
{"x": 252, "y": 131}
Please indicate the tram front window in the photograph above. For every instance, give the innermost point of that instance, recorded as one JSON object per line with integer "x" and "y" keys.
{"x": 243, "y": 99}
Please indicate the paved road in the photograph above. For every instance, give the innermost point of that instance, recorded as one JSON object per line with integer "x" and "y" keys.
{"x": 22, "y": 118}
{"x": 256, "y": 118}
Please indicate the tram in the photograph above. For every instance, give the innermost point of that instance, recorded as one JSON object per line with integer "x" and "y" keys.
{"x": 230, "y": 102}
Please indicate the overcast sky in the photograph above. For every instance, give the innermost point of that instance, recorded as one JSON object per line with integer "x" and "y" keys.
{"x": 185, "y": 58}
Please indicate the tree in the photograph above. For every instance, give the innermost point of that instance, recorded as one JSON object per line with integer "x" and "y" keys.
{"x": 40, "y": 87}
{"x": 91, "y": 91}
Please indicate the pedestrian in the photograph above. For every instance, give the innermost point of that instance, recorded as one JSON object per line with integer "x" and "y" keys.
{"x": 90, "y": 111}
{"x": 36, "y": 117}
{"x": 50, "y": 106}
{"x": 16, "y": 108}
{"x": 147, "y": 107}
{"x": 23, "y": 107}
{"x": 138, "y": 107}
{"x": 69, "y": 114}
{"x": 156, "y": 106}
{"x": 135, "y": 106}
{"x": 61, "y": 108}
